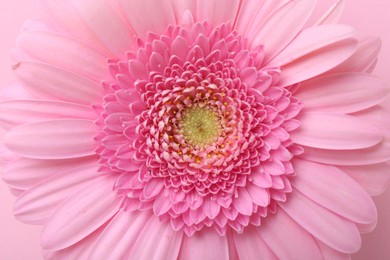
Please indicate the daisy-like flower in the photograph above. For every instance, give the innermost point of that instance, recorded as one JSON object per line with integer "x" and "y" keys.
{"x": 145, "y": 129}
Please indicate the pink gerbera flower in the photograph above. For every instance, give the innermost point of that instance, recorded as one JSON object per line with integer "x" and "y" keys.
{"x": 144, "y": 129}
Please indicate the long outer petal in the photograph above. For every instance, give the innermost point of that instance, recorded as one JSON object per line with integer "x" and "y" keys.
{"x": 17, "y": 112}
{"x": 55, "y": 83}
{"x": 76, "y": 57}
{"x": 55, "y": 139}
{"x": 37, "y": 204}
{"x": 81, "y": 214}
{"x": 120, "y": 235}
{"x": 318, "y": 62}
{"x": 326, "y": 226}
{"x": 342, "y": 93}
{"x": 193, "y": 248}
{"x": 333, "y": 189}
{"x": 278, "y": 233}
{"x": 335, "y": 132}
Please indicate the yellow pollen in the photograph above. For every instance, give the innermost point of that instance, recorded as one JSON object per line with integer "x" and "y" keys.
{"x": 215, "y": 98}
{"x": 200, "y": 126}
{"x": 225, "y": 103}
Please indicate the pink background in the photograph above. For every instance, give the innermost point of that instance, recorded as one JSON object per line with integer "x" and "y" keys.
{"x": 20, "y": 241}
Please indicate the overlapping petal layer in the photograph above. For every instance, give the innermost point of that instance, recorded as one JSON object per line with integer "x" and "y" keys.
{"x": 195, "y": 130}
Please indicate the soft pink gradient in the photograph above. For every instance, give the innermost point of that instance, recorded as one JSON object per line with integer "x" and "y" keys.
{"x": 19, "y": 241}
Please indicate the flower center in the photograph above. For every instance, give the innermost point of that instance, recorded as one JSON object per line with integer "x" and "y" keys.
{"x": 200, "y": 126}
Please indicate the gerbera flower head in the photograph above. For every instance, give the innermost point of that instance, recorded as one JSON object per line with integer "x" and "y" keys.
{"x": 191, "y": 126}
{"x": 195, "y": 130}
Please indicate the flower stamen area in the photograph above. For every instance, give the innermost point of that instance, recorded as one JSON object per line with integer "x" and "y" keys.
{"x": 200, "y": 126}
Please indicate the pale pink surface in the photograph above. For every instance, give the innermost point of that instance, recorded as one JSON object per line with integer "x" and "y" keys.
{"x": 364, "y": 24}
{"x": 17, "y": 240}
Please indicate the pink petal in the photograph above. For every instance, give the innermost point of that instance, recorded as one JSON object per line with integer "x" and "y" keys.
{"x": 330, "y": 253}
{"x": 329, "y": 228}
{"x": 14, "y": 91}
{"x": 338, "y": 132}
{"x": 159, "y": 13}
{"x": 137, "y": 70}
{"x": 252, "y": 13}
{"x": 287, "y": 239}
{"x": 116, "y": 121}
{"x": 311, "y": 40}
{"x": 211, "y": 208}
{"x": 23, "y": 173}
{"x": 108, "y": 25}
{"x": 50, "y": 81}
{"x": 65, "y": 18}
{"x": 56, "y": 139}
{"x": 16, "y": 192}
{"x": 250, "y": 245}
{"x": 180, "y": 48}
{"x": 34, "y": 25}
{"x": 376, "y": 154}
{"x": 216, "y": 12}
{"x": 318, "y": 62}
{"x": 153, "y": 188}
{"x": 38, "y": 203}
{"x": 232, "y": 247}
{"x": 181, "y": 6}
{"x": 162, "y": 205}
{"x": 75, "y": 57}
{"x": 282, "y": 26}
{"x": 274, "y": 167}
{"x": 243, "y": 202}
{"x": 17, "y": 112}
{"x": 120, "y": 235}
{"x": 366, "y": 228}
{"x": 333, "y": 189}
{"x": 157, "y": 241}
{"x": 157, "y": 62}
{"x": 260, "y": 196}
{"x": 261, "y": 179}
{"x": 333, "y": 14}
{"x": 363, "y": 58}
{"x": 378, "y": 116}
{"x": 80, "y": 250}
{"x": 193, "y": 248}
{"x": 81, "y": 214}
{"x": 374, "y": 178}
{"x": 342, "y": 93}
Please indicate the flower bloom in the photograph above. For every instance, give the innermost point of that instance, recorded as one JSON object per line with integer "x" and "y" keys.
{"x": 143, "y": 129}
